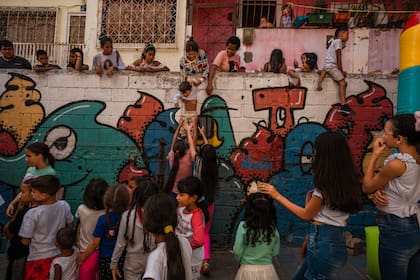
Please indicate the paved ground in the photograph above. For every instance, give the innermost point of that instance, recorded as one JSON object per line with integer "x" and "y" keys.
{"x": 223, "y": 265}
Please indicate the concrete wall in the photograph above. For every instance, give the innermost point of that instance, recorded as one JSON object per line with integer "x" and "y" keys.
{"x": 111, "y": 128}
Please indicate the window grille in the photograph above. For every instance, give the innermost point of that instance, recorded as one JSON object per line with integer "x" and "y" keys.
{"x": 133, "y": 22}
{"x": 252, "y": 11}
{"x": 76, "y": 29}
{"x": 28, "y": 25}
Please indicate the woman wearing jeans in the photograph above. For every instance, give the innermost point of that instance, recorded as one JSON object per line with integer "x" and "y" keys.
{"x": 336, "y": 196}
{"x": 397, "y": 187}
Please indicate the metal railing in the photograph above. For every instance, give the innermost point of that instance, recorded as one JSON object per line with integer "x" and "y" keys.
{"x": 58, "y": 53}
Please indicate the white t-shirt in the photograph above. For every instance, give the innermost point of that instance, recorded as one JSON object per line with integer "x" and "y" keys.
{"x": 331, "y": 56}
{"x": 69, "y": 268}
{"x": 88, "y": 219}
{"x": 330, "y": 217}
{"x": 41, "y": 225}
{"x": 156, "y": 267}
{"x": 106, "y": 61}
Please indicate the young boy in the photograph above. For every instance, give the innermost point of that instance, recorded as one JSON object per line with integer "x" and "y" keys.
{"x": 17, "y": 252}
{"x": 186, "y": 99}
{"x": 42, "y": 58}
{"x": 334, "y": 67}
{"x": 64, "y": 266}
{"x": 41, "y": 224}
{"x": 225, "y": 61}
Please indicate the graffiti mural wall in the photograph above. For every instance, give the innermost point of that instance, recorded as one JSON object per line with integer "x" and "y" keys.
{"x": 122, "y": 126}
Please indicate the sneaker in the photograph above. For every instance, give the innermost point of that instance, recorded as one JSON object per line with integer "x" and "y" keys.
{"x": 345, "y": 110}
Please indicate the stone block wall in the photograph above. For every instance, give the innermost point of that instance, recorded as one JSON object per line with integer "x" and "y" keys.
{"x": 116, "y": 127}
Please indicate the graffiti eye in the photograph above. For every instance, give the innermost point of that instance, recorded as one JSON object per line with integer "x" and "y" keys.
{"x": 280, "y": 117}
{"x": 62, "y": 142}
{"x": 306, "y": 157}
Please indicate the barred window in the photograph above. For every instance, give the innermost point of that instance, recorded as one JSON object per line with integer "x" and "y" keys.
{"x": 133, "y": 22}
{"x": 251, "y": 11}
{"x": 28, "y": 25}
{"x": 76, "y": 33}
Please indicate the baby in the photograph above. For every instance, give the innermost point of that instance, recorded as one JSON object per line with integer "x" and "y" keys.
{"x": 186, "y": 99}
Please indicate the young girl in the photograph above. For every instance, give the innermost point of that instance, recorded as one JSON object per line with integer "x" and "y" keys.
{"x": 257, "y": 240}
{"x": 64, "y": 265}
{"x": 109, "y": 60}
{"x": 88, "y": 214}
{"x": 17, "y": 252}
{"x": 398, "y": 188}
{"x": 191, "y": 219}
{"x": 309, "y": 65}
{"x": 193, "y": 65}
{"x": 171, "y": 259}
{"x": 131, "y": 235}
{"x": 277, "y": 63}
{"x": 180, "y": 161}
{"x": 287, "y": 16}
{"x": 206, "y": 169}
{"x": 147, "y": 62}
{"x": 336, "y": 196}
{"x": 116, "y": 201}
{"x": 40, "y": 162}
{"x": 76, "y": 60}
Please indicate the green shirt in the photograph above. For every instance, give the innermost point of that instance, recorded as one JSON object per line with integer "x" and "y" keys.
{"x": 40, "y": 172}
{"x": 262, "y": 253}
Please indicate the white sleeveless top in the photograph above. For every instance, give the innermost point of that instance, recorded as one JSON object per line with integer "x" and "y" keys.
{"x": 403, "y": 193}
{"x": 329, "y": 216}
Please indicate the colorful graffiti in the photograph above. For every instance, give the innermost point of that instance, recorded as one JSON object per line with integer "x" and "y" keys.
{"x": 279, "y": 150}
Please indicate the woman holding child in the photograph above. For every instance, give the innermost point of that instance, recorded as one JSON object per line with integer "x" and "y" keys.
{"x": 193, "y": 65}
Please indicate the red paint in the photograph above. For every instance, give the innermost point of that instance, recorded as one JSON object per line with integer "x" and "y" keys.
{"x": 131, "y": 170}
{"x": 8, "y": 145}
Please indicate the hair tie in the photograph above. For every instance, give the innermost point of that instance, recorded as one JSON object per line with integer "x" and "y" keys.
{"x": 417, "y": 117}
{"x": 168, "y": 229}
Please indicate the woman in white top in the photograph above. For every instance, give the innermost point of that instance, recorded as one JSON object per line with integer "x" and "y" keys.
{"x": 109, "y": 60}
{"x": 336, "y": 196}
{"x": 397, "y": 187}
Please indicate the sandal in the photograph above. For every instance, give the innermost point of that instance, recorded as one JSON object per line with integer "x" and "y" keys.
{"x": 205, "y": 269}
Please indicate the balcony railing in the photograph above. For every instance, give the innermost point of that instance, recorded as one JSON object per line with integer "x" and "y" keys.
{"x": 58, "y": 53}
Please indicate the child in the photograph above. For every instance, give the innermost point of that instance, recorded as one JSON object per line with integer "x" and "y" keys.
{"x": 42, "y": 58}
{"x": 40, "y": 162}
{"x": 186, "y": 99}
{"x": 132, "y": 237}
{"x": 336, "y": 196}
{"x": 225, "y": 61}
{"x": 88, "y": 214}
{"x": 64, "y": 265}
{"x": 277, "y": 63}
{"x": 257, "y": 240}
{"x": 287, "y": 16}
{"x": 193, "y": 65}
{"x": 191, "y": 219}
{"x": 172, "y": 257}
{"x": 398, "y": 182}
{"x": 309, "y": 65}
{"x": 147, "y": 62}
{"x": 76, "y": 60}
{"x": 180, "y": 161}
{"x": 333, "y": 66}
{"x": 116, "y": 201}
{"x": 264, "y": 23}
{"x": 41, "y": 224}
{"x": 109, "y": 60}
{"x": 206, "y": 169}
{"x": 17, "y": 252}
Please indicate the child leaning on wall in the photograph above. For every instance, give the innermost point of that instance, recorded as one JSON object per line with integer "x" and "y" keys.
{"x": 44, "y": 65}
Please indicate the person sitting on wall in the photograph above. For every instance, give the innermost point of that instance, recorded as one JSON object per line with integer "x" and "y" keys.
{"x": 264, "y": 23}
{"x": 44, "y": 65}
{"x": 287, "y": 16}
{"x": 226, "y": 61}
{"x": 309, "y": 65}
{"x": 9, "y": 60}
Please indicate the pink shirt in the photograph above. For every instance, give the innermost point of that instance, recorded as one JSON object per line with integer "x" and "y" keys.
{"x": 222, "y": 61}
{"x": 184, "y": 170}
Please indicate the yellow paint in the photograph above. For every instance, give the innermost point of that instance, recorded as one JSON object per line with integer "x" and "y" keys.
{"x": 17, "y": 116}
{"x": 409, "y": 47}
{"x": 214, "y": 139}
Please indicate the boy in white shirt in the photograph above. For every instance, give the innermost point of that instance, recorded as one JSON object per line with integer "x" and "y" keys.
{"x": 41, "y": 224}
{"x": 64, "y": 266}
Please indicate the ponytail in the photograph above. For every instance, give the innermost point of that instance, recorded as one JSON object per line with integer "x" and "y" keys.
{"x": 41, "y": 148}
{"x": 176, "y": 269}
{"x": 179, "y": 151}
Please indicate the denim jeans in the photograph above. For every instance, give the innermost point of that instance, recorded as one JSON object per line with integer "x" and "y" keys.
{"x": 326, "y": 253}
{"x": 399, "y": 247}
